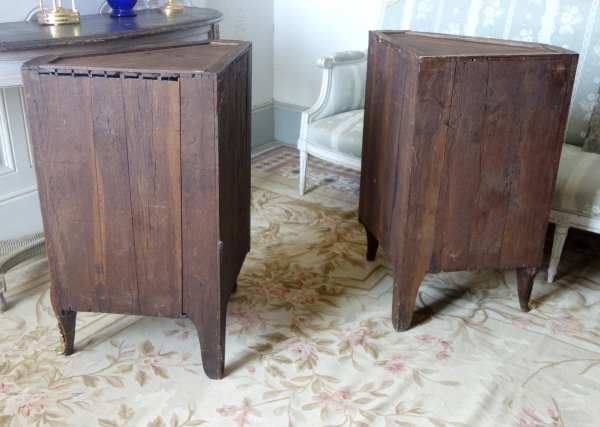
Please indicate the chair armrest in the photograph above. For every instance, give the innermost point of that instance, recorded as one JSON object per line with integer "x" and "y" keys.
{"x": 342, "y": 87}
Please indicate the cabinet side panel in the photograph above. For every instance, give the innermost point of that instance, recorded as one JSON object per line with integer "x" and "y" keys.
{"x": 384, "y": 102}
{"x": 426, "y": 154}
{"x": 200, "y": 221}
{"x": 544, "y": 105}
{"x": 234, "y": 167}
{"x": 462, "y": 173}
{"x": 152, "y": 117}
{"x": 60, "y": 114}
{"x": 499, "y": 139}
{"x": 120, "y": 293}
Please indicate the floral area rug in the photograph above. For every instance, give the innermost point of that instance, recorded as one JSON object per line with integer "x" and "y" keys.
{"x": 310, "y": 341}
{"x": 284, "y": 160}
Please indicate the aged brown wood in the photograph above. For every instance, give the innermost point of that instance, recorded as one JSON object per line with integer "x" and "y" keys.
{"x": 144, "y": 180}
{"x": 525, "y": 277}
{"x": 461, "y": 145}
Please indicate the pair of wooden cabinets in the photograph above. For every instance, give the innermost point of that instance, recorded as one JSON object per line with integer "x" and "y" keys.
{"x": 142, "y": 158}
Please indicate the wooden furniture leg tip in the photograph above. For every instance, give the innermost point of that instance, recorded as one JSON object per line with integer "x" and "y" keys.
{"x": 214, "y": 370}
{"x": 372, "y": 245}
{"x": 66, "y": 325}
{"x": 525, "y": 278}
{"x": 401, "y": 325}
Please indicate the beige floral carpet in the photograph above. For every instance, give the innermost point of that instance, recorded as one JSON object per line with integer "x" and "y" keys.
{"x": 310, "y": 342}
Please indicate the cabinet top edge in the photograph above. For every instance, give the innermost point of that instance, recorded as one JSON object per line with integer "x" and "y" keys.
{"x": 199, "y": 57}
{"x": 452, "y": 47}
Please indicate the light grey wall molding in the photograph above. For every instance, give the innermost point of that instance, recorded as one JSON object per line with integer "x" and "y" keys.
{"x": 287, "y": 122}
{"x": 263, "y": 124}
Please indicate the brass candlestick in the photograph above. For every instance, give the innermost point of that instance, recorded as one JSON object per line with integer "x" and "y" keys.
{"x": 58, "y": 15}
{"x": 171, "y": 7}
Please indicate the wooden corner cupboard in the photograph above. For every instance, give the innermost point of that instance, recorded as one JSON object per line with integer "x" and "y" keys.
{"x": 142, "y": 158}
{"x": 461, "y": 144}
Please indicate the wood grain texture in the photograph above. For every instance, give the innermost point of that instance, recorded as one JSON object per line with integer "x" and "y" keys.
{"x": 120, "y": 290}
{"x": 68, "y": 188}
{"x": 461, "y": 145}
{"x": 547, "y": 82}
{"x": 152, "y": 117}
{"x": 434, "y": 90}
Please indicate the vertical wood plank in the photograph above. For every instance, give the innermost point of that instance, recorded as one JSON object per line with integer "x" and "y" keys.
{"x": 152, "y": 115}
{"x": 499, "y": 141}
{"x": 67, "y": 181}
{"x": 536, "y": 165}
{"x": 462, "y": 173}
{"x": 200, "y": 219}
{"x": 120, "y": 292}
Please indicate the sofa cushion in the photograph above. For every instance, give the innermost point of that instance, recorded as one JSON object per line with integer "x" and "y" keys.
{"x": 342, "y": 132}
{"x": 578, "y": 183}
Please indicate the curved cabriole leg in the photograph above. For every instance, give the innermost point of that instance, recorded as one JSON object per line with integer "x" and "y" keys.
{"x": 406, "y": 288}
{"x": 560, "y": 235}
{"x": 303, "y": 168}
{"x": 525, "y": 278}
{"x": 372, "y": 245}
{"x": 66, "y": 324}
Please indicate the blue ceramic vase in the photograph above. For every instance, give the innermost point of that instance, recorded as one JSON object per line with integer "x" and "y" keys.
{"x": 122, "y": 8}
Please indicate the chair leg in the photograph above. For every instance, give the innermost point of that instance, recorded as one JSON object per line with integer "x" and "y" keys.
{"x": 303, "y": 168}
{"x": 560, "y": 234}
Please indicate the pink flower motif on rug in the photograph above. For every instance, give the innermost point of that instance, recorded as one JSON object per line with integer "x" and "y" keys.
{"x": 425, "y": 338}
{"x": 7, "y": 383}
{"x": 445, "y": 343}
{"x": 442, "y": 355}
{"x": 301, "y": 348}
{"x": 537, "y": 421}
{"x": 181, "y": 335}
{"x": 324, "y": 399}
{"x": 395, "y": 363}
{"x": 567, "y": 325}
{"x": 242, "y": 413}
{"x": 149, "y": 360}
{"x": 247, "y": 318}
{"x": 29, "y": 403}
{"x": 356, "y": 336}
{"x": 520, "y": 322}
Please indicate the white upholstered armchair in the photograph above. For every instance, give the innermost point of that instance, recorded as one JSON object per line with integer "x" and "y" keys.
{"x": 332, "y": 128}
